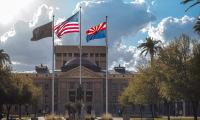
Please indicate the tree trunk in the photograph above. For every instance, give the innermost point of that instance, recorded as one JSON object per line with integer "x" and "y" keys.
{"x": 152, "y": 111}
{"x": 195, "y": 105}
{"x": 1, "y": 109}
{"x": 168, "y": 110}
{"x": 35, "y": 111}
{"x": 8, "y": 107}
{"x": 133, "y": 108}
{"x": 141, "y": 112}
{"x": 20, "y": 111}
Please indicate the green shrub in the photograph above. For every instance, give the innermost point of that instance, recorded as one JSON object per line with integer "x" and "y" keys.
{"x": 53, "y": 117}
{"x": 67, "y": 117}
{"x": 89, "y": 117}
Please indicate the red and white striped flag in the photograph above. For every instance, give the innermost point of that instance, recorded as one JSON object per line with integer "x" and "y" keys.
{"x": 70, "y": 25}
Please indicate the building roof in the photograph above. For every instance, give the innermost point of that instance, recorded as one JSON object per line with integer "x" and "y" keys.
{"x": 116, "y": 72}
{"x": 76, "y": 62}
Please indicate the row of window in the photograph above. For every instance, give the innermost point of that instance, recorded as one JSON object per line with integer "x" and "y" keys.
{"x": 88, "y": 96}
{"x": 87, "y": 85}
{"x": 83, "y": 55}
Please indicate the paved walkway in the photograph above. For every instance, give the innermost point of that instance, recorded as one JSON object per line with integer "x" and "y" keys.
{"x": 40, "y": 118}
{"x": 115, "y": 118}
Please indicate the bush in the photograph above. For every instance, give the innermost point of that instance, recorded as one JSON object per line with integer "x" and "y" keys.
{"x": 89, "y": 117}
{"x": 52, "y": 117}
{"x": 106, "y": 117}
{"x": 67, "y": 117}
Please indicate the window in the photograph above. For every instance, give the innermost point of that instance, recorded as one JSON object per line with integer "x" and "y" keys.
{"x": 89, "y": 96}
{"x": 97, "y": 63}
{"x": 72, "y": 85}
{"x": 91, "y": 54}
{"x": 46, "y": 86}
{"x": 114, "y": 87}
{"x": 88, "y": 85}
{"x": 58, "y": 54}
{"x": 102, "y": 55}
{"x": 45, "y": 99}
{"x": 97, "y": 55}
{"x": 70, "y": 54}
{"x": 64, "y": 54}
{"x": 114, "y": 99}
{"x": 85, "y": 54}
{"x": 72, "y": 96}
{"x": 76, "y": 55}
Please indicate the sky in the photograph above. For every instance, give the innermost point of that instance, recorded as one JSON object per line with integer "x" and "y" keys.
{"x": 129, "y": 23}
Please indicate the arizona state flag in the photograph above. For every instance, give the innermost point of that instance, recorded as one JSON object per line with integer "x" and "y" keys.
{"x": 96, "y": 32}
{"x": 42, "y": 32}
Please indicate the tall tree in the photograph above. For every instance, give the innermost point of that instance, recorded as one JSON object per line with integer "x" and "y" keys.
{"x": 4, "y": 85}
{"x": 182, "y": 59}
{"x": 192, "y": 92}
{"x": 143, "y": 90}
{"x": 4, "y": 58}
{"x": 150, "y": 46}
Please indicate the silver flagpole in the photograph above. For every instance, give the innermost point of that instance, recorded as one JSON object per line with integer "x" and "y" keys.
{"x": 106, "y": 65}
{"x": 80, "y": 47}
{"x": 53, "y": 71}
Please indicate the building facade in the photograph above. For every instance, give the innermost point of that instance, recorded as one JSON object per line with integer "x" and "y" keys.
{"x": 67, "y": 80}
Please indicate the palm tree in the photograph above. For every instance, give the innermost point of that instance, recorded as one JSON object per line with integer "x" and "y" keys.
{"x": 197, "y": 24}
{"x": 4, "y": 58}
{"x": 150, "y": 46}
{"x": 187, "y": 1}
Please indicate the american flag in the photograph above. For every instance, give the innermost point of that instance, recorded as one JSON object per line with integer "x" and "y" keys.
{"x": 70, "y": 25}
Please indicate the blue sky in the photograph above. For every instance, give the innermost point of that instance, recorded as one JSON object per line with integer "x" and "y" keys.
{"x": 130, "y": 22}
{"x": 165, "y": 8}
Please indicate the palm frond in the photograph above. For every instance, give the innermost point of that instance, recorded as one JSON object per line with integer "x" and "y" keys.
{"x": 186, "y": 1}
{"x": 142, "y": 45}
{"x": 157, "y": 41}
{"x": 4, "y": 57}
{"x": 145, "y": 50}
{"x": 192, "y": 6}
{"x": 197, "y": 26}
{"x": 158, "y": 48}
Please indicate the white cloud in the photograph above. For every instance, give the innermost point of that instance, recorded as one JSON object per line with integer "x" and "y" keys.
{"x": 38, "y": 15}
{"x": 170, "y": 27}
{"x": 8, "y": 34}
{"x": 125, "y": 19}
{"x": 24, "y": 53}
{"x": 127, "y": 56}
